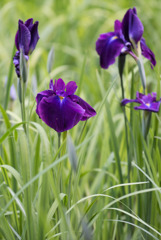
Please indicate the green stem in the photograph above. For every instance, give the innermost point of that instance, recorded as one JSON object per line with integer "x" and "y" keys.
{"x": 22, "y": 102}
{"x": 142, "y": 73}
{"x": 127, "y": 142}
{"x": 59, "y": 142}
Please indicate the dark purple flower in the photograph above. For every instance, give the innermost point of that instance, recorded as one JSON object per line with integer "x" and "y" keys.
{"x": 147, "y": 102}
{"x": 26, "y": 39}
{"x": 124, "y": 40}
{"x": 27, "y": 36}
{"x": 59, "y": 108}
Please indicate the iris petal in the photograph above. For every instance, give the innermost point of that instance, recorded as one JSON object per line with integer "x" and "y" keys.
{"x": 147, "y": 53}
{"x": 24, "y": 38}
{"x": 153, "y": 107}
{"x": 61, "y": 115}
{"x": 29, "y": 23}
{"x": 108, "y": 46}
{"x": 126, "y": 101}
{"x": 89, "y": 111}
{"x": 71, "y": 87}
{"x": 34, "y": 36}
{"x": 46, "y": 93}
{"x": 59, "y": 85}
{"x": 132, "y": 27}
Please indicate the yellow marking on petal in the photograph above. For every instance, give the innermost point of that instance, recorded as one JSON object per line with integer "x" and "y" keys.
{"x": 147, "y": 104}
{"x": 61, "y": 98}
{"x": 115, "y": 37}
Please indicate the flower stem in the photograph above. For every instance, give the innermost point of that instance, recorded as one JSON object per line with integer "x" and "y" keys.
{"x": 59, "y": 142}
{"x": 59, "y": 170}
{"x": 143, "y": 79}
{"x": 21, "y": 93}
{"x": 127, "y": 142}
{"x": 142, "y": 73}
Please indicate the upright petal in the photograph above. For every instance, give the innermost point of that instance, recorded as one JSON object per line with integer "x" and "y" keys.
{"x": 147, "y": 53}
{"x": 108, "y": 46}
{"x": 24, "y": 38}
{"x": 29, "y": 23}
{"x": 61, "y": 115}
{"x": 34, "y": 36}
{"x": 89, "y": 111}
{"x": 132, "y": 27}
{"x": 71, "y": 87}
{"x": 51, "y": 85}
{"x": 117, "y": 27}
{"x": 59, "y": 86}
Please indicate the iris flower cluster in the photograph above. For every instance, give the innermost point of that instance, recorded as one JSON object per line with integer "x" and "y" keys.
{"x": 127, "y": 38}
{"x": 58, "y": 107}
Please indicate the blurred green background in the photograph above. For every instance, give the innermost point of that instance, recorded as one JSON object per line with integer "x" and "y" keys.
{"x": 72, "y": 27}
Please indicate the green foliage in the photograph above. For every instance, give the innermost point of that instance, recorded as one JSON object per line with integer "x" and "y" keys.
{"x": 82, "y": 192}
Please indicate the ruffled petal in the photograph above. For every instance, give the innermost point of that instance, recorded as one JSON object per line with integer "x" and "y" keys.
{"x": 71, "y": 87}
{"x": 147, "y": 53}
{"x": 34, "y": 36}
{"x": 46, "y": 93}
{"x": 60, "y": 114}
{"x": 24, "y": 38}
{"x": 108, "y": 46}
{"x": 89, "y": 111}
{"x": 132, "y": 27}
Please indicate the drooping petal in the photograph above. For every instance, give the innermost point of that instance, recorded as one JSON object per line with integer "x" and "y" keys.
{"x": 132, "y": 27}
{"x": 89, "y": 111}
{"x": 34, "y": 36}
{"x": 46, "y": 93}
{"x": 126, "y": 101}
{"x": 108, "y": 46}
{"x": 153, "y": 107}
{"x": 24, "y": 38}
{"x": 71, "y": 87}
{"x": 147, "y": 53}
{"x": 60, "y": 114}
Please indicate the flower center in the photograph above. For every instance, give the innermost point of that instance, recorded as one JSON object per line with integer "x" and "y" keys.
{"x": 147, "y": 104}
{"x": 61, "y": 98}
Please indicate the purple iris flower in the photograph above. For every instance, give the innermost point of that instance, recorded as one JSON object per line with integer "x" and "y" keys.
{"x": 124, "y": 40}
{"x": 26, "y": 39}
{"x": 59, "y": 108}
{"x": 147, "y": 102}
